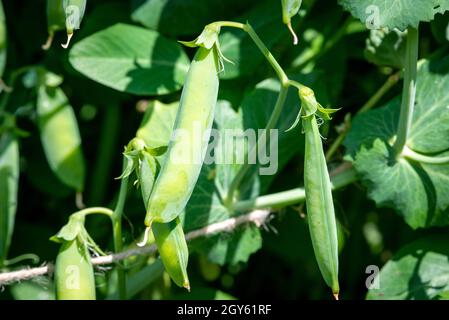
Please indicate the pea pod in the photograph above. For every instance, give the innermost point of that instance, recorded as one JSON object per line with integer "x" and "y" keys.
{"x": 178, "y": 175}
{"x": 290, "y": 8}
{"x": 320, "y": 206}
{"x": 64, "y": 14}
{"x": 169, "y": 237}
{"x": 55, "y": 20}
{"x": 9, "y": 180}
{"x": 74, "y": 11}
{"x": 60, "y": 136}
{"x": 172, "y": 247}
{"x": 74, "y": 275}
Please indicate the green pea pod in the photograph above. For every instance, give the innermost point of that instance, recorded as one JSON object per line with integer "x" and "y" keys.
{"x": 172, "y": 247}
{"x": 9, "y": 181}
{"x": 169, "y": 236}
{"x": 56, "y": 20}
{"x": 74, "y": 274}
{"x": 74, "y": 11}
{"x": 185, "y": 154}
{"x": 146, "y": 173}
{"x": 60, "y": 136}
{"x": 290, "y": 8}
{"x": 3, "y": 40}
{"x": 320, "y": 206}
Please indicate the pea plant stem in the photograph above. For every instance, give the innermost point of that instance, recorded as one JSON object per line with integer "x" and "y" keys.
{"x": 95, "y": 210}
{"x": 117, "y": 232}
{"x": 409, "y": 90}
{"x": 256, "y": 217}
{"x": 371, "y": 103}
{"x": 294, "y": 196}
{"x": 235, "y": 184}
{"x": 229, "y": 200}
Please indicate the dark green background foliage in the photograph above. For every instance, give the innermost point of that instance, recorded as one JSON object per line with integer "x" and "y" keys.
{"x": 277, "y": 261}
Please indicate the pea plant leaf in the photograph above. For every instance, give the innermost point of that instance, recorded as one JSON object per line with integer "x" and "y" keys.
{"x": 418, "y": 191}
{"x": 131, "y": 59}
{"x": 175, "y": 18}
{"x": 157, "y": 125}
{"x": 238, "y": 47}
{"x": 394, "y": 14}
{"x": 386, "y": 48}
{"x": 9, "y": 181}
{"x": 419, "y": 271}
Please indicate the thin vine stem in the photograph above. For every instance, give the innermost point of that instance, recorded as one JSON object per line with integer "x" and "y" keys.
{"x": 229, "y": 200}
{"x": 294, "y": 196}
{"x": 235, "y": 184}
{"x": 371, "y": 103}
{"x": 409, "y": 90}
{"x": 117, "y": 233}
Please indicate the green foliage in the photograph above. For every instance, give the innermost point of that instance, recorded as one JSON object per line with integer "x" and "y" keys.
{"x": 76, "y": 120}
{"x": 394, "y": 14}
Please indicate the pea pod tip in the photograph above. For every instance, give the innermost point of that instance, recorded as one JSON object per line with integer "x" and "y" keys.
{"x": 295, "y": 37}
{"x": 336, "y": 297}
{"x": 145, "y": 238}
{"x": 69, "y": 38}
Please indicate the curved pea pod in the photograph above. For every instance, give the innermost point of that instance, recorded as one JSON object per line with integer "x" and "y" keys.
{"x": 74, "y": 11}
{"x": 9, "y": 181}
{"x": 319, "y": 202}
{"x": 172, "y": 247}
{"x": 290, "y": 8}
{"x": 74, "y": 274}
{"x": 60, "y": 136}
{"x": 187, "y": 148}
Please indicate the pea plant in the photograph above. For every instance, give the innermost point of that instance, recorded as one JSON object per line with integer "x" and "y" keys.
{"x": 212, "y": 149}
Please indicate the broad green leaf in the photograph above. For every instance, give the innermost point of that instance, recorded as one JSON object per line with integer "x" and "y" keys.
{"x": 418, "y": 191}
{"x": 238, "y": 47}
{"x": 399, "y": 14}
{"x": 386, "y": 48}
{"x": 9, "y": 183}
{"x": 419, "y": 195}
{"x": 157, "y": 125}
{"x": 3, "y": 40}
{"x": 60, "y": 136}
{"x": 184, "y": 17}
{"x": 419, "y": 271}
{"x": 131, "y": 59}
